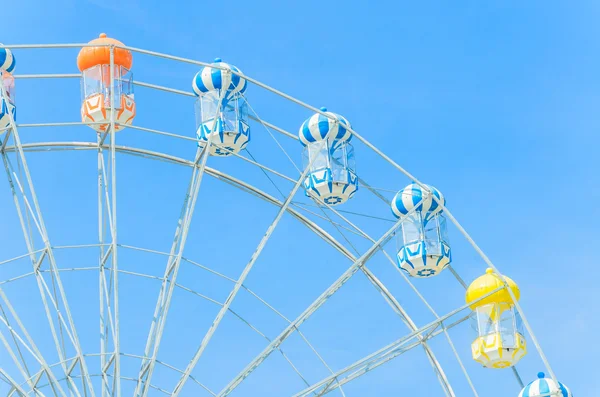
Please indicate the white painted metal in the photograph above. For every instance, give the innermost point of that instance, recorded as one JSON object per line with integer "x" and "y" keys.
{"x": 209, "y": 171}
{"x": 389, "y": 298}
{"x": 172, "y": 267}
{"x": 360, "y": 262}
{"x": 14, "y": 385}
{"x": 37, "y": 216}
{"x": 56, "y": 305}
{"x": 390, "y": 350}
{"x": 116, "y": 359}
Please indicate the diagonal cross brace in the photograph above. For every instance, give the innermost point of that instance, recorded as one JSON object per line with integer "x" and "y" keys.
{"x": 356, "y": 266}
{"x": 48, "y": 248}
{"x": 242, "y": 278}
{"x": 172, "y": 268}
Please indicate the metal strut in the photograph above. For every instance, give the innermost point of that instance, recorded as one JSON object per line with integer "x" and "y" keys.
{"x": 359, "y": 263}
{"x": 52, "y": 300}
{"x": 170, "y": 277}
{"x": 46, "y": 254}
{"x": 242, "y": 278}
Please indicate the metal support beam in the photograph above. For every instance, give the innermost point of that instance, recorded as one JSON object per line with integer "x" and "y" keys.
{"x": 19, "y": 364}
{"x": 114, "y": 251}
{"x": 389, "y": 298}
{"x": 169, "y": 279}
{"x": 410, "y": 176}
{"x": 15, "y": 386}
{"x": 38, "y": 219}
{"x": 172, "y": 268}
{"x": 377, "y": 194}
{"x": 359, "y": 263}
{"x": 30, "y": 346}
{"x": 394, "y": 304}
{"x": 472, "y": 242}
{"x": 390, "y": 351}
{"x": 39, "y": 261}
{"x": 106, "y": 291}
{"x": 241, "y": 279}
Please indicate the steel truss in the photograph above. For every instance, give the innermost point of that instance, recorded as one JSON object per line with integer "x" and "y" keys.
{"x": 71, "y": 357}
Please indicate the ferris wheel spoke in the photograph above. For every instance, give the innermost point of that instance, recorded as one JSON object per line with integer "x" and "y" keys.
{"x": 246, "y": 322}
{"x": 24, "y": 369}
{"x": 243, "y": 320}
{"x": 54, "y": 299}
{"x": 36, "y": 265}
{"x": 389, "y": 352}
{"x": 444, "y": 328}
{"x": 443, "y": 379}
{"x": 338, "y": 247}
{"x": 300, "y": 333}
{"x": 31, "y": 347}
{"x": 15, "y": 386}
{"x": 171, "y": 271}
{"x": 106, "y": 290}
{"x": 239, "y": 282}
{"x": 359, "y": 263}
{"x": 398, "y": 309}
{"x": 48, "y": 253}
{"x": 367, "y": 367}
{"x": 450, "y": 216}
{"x": 364, "y": 369}
{"x": 219, "y": 175}
{"x": 44, "y": 291}
{"x": 105, "y": 184}
{"x": 464, "y": 233}
{"x": 165, "y": 294}
{"x": 517, "y": 376}
{"x": 20, "y": 364}
{"x": 391, "y": 300}
{"x": 285, "y": 356}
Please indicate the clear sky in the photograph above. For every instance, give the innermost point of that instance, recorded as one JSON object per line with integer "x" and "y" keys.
{"x": 495, "y": 103}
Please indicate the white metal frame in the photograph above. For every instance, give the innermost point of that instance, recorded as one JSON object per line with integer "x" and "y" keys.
{"x": 56, "y": 303}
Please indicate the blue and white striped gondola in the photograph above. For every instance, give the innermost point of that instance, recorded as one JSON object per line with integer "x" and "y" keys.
{"x": 545, "y": 387}
{"x": 7, "y": 60}
{"x": 222, "y": 111}
{"x": 424, "y": 249}
{"x": 332, "y": 177}
{"x": 7, "y": 105}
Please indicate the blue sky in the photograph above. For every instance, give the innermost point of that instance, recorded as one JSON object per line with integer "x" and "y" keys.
{"x": 494, "y": 103}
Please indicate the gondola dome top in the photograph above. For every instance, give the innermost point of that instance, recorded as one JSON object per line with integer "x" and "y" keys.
{"x": 7, "y": 60}
{"x": 318, "y": 127}
{"x": 543, "y": 386}
{"x": 487, "y": 283}
{"x": 100, "y": 54}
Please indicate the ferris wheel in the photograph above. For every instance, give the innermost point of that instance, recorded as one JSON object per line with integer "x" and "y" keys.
{"x": 230, "y": 306}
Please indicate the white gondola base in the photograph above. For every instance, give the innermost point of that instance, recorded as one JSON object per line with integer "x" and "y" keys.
{"x": 94, "y": 110}
{"x": 6, "y": 108}
{"x": 224, "y": 142}
{"x": 419, "y": 261}
{"x": 321, "y": 186}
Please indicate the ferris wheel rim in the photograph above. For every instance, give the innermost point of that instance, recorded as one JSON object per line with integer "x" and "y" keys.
{"x": 190, "y": 290}
{"x": 312, "y": 226}
{"x": 113, "y": 147}
{"x": 163, "y": 156}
